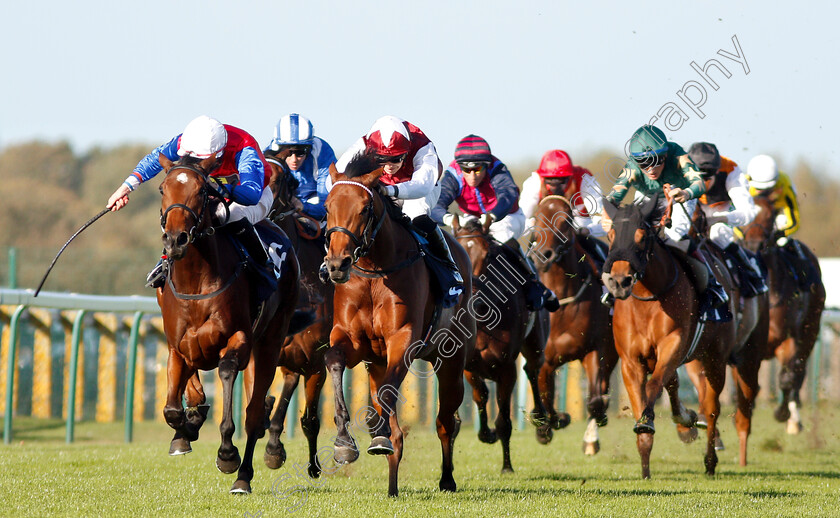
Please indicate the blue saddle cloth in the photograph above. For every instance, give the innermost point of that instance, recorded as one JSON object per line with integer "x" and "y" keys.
{"x": 442, "y": 280}
{"x": 279, "y": 249}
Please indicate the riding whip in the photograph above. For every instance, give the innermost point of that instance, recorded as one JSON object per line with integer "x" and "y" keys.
{"x": 86, "y": 225}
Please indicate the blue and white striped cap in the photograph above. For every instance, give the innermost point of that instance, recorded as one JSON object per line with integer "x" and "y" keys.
{"x": 293, "y": 129}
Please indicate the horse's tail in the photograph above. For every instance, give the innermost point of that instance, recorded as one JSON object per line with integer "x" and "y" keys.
{"x": 300, "y": 321}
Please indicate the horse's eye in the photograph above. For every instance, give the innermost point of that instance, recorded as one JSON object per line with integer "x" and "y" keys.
{"x": 365, "y": 210}
{"x": 160, "y": 189}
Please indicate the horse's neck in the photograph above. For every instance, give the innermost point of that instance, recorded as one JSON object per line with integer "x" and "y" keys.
{"x": 570, "y": 272}
{"x": 199, "y": 264}
{"x": 383, "y": 250}
{"x": 659, "y": 271}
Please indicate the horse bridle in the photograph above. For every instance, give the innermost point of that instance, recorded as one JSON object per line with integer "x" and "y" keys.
{"x": 561, "y": 249}
{"x": 207, "y": 191}
{"x": 369, "y": 232}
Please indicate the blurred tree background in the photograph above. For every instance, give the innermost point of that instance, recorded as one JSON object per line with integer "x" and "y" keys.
{"x": 49, "y": 191}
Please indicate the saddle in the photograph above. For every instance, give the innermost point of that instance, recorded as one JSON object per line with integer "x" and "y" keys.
{"x": 278, "y": 247}
{"x": 698, "y": 274}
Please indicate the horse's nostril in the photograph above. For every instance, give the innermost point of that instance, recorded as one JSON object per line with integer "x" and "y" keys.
{"x": 183, "y": 239}
{"x": 345, "y": 263}
{"x": 625, "y": 282}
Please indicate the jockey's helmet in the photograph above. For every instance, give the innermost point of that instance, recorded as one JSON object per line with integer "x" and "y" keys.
{"x": 388, "y": 137}
{"x": 762, "y": 172}
{"x": 292, "y": 130}
{"x": 555, "y": 164}
{"x": 202, "y": 138}
{"x": 648, "y": 146}
{"x": 706, "y": 157}
{"x": 473, "y": 151}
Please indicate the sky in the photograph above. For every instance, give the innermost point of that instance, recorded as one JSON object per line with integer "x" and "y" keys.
{"x": 527, "y": 76}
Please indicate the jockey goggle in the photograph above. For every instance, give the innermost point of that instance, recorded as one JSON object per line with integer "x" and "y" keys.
{"x": 650, "y": 160}
{"x": 383, "y": 159}
{"x": 299, "y": 151}
{"x": 472, "y": 167}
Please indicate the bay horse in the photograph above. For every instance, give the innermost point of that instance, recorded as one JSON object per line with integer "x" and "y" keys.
{"x": 657, "y": 326}
{"x": 794, "y": 314}
{"x": 500, "y": 341}
{"x": 384, "y": 310}
{"x": 303, "y": 352}
{"x": 208, "y": 318}
{"x": 580, "y": 330}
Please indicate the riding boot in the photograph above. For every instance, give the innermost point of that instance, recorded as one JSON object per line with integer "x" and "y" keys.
{"x": 806, "y": 273}
{"x": 716, "y": 295}
{"x": 594, "y": 251}
{"x": 440, "y": 249}
{"x": 751, "y": 281}
{"x": 537, "y": 295}
{"x": 247, "y": 235}
{"x": 157, "y": 277}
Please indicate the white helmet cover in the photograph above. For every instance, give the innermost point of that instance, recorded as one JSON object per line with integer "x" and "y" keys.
{"x": 762, "y": 172}
{"x": 202, "y": 138}
{"x": 292, "y": 129}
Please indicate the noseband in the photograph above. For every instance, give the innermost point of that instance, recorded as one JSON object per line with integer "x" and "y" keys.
{"x": 207, "y": 191}
{"x": 561, "y": 249}
{"x": 371, "y": 228}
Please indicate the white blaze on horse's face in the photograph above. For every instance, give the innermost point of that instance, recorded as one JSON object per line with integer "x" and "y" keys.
{"x": 183, "y": 178}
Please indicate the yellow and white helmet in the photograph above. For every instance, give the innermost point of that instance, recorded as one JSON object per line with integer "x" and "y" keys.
{"x": 762, "y": 172}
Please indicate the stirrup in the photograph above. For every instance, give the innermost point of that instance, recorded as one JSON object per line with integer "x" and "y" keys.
{"x": 550, "y": 301}
{"x": 323, "y": 274}
{"x": 607, "y": 299}
{"x": 156, "y": 277}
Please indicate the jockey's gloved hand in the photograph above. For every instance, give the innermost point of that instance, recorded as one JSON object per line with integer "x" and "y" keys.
{"x": 484, "y": 218}
{"x": 782, "y": 241}
{"x": 220, "y": 214}
{"x": 388, "y": 190}
{"x": 447, "y": 219}
{"x": 583, "y": 231}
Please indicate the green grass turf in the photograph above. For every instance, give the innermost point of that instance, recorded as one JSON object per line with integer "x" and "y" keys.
{"x": 99, "y": 475}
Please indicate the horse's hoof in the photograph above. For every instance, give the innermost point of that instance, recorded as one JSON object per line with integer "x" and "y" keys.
{"x": 560, "y": 420}
{"x": 275, "y": 461}
{"x": 314, "y": 470}
{"x": 380, "y": 446}
{"x": 782, "y": 413}
{"x": 448, "y": 485}
{"x": 701, "y": 422}
{"x": 240, "y": 487}
{"x": 687, "y": 435}
{"x": 230, "y": 465}
{"x": 719, "y": 444}
{"x": 544, "y": 434}
{"x": 488, "y": 436}
{"x": 179, "y": 446}
{"x": 591, "y": 448}
{"x": 794, "y": 427}
{"x": 602, "y": 421}
{"x": 507, "y": 470}
{"x": 176, "y": 417}
{"x": 345, "y": 454}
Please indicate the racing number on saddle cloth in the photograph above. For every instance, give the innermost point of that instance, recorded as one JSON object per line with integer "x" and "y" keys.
{"x": 278, "y": 247}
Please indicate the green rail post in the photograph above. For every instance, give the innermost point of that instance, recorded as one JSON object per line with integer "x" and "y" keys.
{"x": 564, "y": 382}
{"x": 237, "y": 404}
{"x": 12, "y": 267}
{"x": 521, "y": 395}
{"x": 292, "y": 410}
{"x": 10, "y": 374}
{"x": 129, "y": 380}
{"x": 815, "y": 369}
{"x": 73, "y": 373}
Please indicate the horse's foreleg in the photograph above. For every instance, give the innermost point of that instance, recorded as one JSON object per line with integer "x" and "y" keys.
{"x": 685, "y": 419}
{"x": 634, "y": 382}
{"x": 786, "y": 356}
{"x": 450, "y": 394}
{"x": 177, "y": 375}
{"x": 275, "y": 453}
{"x": 394, "y": 458}
{"x": 480, "y": 396}
{"x": 258, "y": 375}
{"x": 714, "y": 385}
{"x": 227, "y": 458}
{"x": 746, "y": 384}
{"x": 597, "y": 404}
{"x": 533, "y": 350}
{"x": 309, "y": 421}
{"x": 504, "y": 426}
{"x": 346, "y": 450}
{"x": 387, "y": 396}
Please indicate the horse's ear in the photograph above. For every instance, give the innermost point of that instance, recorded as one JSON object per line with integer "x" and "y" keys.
{"x": 370, "y": 178}
{"x": 486, "y": 227}
{"x": 207, "y": 163}
{"x": 165, "y": 162}
{"x": 334, "y": 174}
{"x": 609, "y": 208}
{"x": 456, "y": 223}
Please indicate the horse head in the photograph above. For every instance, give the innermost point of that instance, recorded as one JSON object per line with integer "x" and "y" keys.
{"x": 283, "y": 183}
{"x": 475, "y": 238}
{"x": 554, "y": 231}
{"x": 355, "y": 213}
{"x": 759, "y": 233}
{"x": 631, "y": 242}
{"x": 185, "y": 195}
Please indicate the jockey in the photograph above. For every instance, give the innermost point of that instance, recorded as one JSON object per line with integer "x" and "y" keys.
{"x": 557, "y": 175}
{"x": 766, "y": 180}
{"x": 237, "y": 163}
{"x": 412, "y": 168}
{"x": 727, "y": 204}
{"x": 653, "y": 163}
{"x": 309, "y": 161}
{"x": 484, "y": 189}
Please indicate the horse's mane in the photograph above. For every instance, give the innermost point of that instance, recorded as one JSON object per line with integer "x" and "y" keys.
{"x": 187, "y": 160}
{"x": 473, "y": 225}
{"x": 361, "y": 164}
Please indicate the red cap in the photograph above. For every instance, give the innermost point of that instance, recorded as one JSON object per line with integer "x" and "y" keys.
{"x": 555, "y": 164}
{"x": 388, "y": 137}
